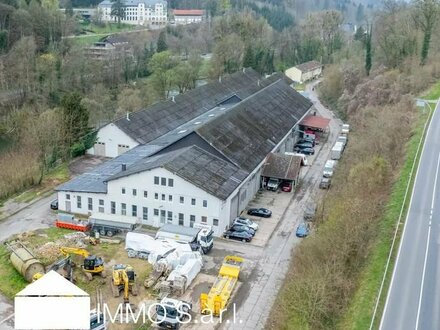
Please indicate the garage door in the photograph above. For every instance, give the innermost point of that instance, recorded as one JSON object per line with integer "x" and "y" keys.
{"x": 99, "y": 149}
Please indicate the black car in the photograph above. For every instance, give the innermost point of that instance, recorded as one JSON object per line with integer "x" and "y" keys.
{"x": 237, "y": 227}
{"x": 306, "y": 140}
{"x": 238, "y": 235}
{"x": 305, "y": 151}
{"x": 260, "y": 212}
{"x": 304, "y": 145}
{"x": 54, "y": 204}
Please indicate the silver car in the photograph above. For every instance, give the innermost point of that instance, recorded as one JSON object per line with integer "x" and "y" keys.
{"x": 246, "y": 222}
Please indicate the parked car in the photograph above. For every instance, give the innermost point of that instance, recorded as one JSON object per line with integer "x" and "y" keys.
{"x": 306, "y": 151}
{"x": 273, "y": 184}
{"x": 286, "y": 186}
{"x": 246, "y": 222}
{"x": 307, "y": 140}
{"x": 303, "y": 230}
{"x": 260, "y": 212}
{"x": 238, "y": 235}
{"x": 237, "y": 227}
{"x": 304, "y": 145}
{"x": 310, "y": 211}
{"x": 325, "y": 183}
{"x": 54, "y": 204}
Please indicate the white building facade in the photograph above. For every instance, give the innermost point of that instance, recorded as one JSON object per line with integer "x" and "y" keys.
{"x": 111, "y": 141}
{"x": 188, "y": 16}
{"x": 137, "y": 12}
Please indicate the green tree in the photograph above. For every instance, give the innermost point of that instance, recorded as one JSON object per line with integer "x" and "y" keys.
{"x": 162, "y": 42}
{"x": 75, "y": 119}
{"x": 186, "y": 74}
{"x": 427, "y": 12}
{"x": 249, "y": 58}
{"x": 161, "y": 65}
{"x": 118, "y": 10}
{"x": 368, "y": 54}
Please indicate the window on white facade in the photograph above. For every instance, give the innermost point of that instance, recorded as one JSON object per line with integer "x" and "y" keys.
{"x": 193, "y": 201}
{"x": 134, "y": 210}
{"x": 205, "y": 203}
{"x": 90, "y": 204}
{"x": 170, "y": 198}
{"x": 78, "y": 202}
{"x": 192, "y": 219}
{"x": 163, "y": 197}
{"x": 134, "y": 192}
{"x": 123, "y": 191}
{"x": 156, "y": 196}
{"x": 68, "y": 197}
{"x": 162, "y": 216}
{"x": 156, "y": 180}
{"x": 181, "y": 219}
{"x": 112, "y": 207}
{"x": 170, "y": 217}
{"x": 170, "y": 182}
{"x": 204, "y": 219}
{"x": 182, "y": 199}
{"x": 123, "y": 209}
{"x": 145, "y": 213}
{"x": 163, "y": 181}
{"x": 101, "y": 206}
{"x": 156, "y": 212}
{"x": 215, "y": 222}
{"x": 145, "y": 194}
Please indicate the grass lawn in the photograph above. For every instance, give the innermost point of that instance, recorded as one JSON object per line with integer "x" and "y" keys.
{"x": 90, "y": 39}
{"x": 433, "y": 93}
{"x": 300, "y": 87}
{"x": 361, "y": 308}
{"x": 107, "y": 28}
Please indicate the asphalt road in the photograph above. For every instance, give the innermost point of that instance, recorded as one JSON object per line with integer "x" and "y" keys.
{"x": 413, "y": 300}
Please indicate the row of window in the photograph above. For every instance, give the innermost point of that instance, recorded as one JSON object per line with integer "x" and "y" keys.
{"x": 164, "y": 198}
{"x": 163, "y": 181}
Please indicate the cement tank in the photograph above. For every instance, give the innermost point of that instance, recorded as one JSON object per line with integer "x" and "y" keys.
{"x": 25, "y": 263}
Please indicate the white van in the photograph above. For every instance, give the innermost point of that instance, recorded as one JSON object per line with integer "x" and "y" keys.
{"x": 343, "y": 139}
{"x": 329, "y": 168}
{"x": 345, "y": 129}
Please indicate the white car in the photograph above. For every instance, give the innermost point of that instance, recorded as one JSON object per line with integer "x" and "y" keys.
{"x": 246, "y": 222}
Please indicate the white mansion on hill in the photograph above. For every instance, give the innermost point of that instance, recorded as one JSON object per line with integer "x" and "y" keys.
{"x": 137, "y": 12}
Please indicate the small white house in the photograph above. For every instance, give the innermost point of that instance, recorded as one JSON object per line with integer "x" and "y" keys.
{"x": 52, "y": 302}
{"x": 305, "y": 71}
{"x": 188, "y": 16}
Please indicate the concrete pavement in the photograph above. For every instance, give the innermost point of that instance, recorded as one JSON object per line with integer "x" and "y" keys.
{"x": 274, "y": 262}
{"x": 413, "y": 300}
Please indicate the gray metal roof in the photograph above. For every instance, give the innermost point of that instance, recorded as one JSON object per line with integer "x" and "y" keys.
{"x": 250, "y": 131}
{"x": 160, "y": 118}
{"x": 94, "y": 181}
{"x": 281, "y": 166}
{"x": 193, "y": 164}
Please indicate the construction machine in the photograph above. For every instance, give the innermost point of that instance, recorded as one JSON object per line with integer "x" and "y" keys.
{"x": 218, "y": 297}
{"x": 63, "y": 266}
{"x": 91, "y": 265}
{"x": 124, "y": 279}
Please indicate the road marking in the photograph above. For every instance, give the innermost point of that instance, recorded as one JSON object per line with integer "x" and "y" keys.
{"x": 5, "y": 319}
{"x": 427, "y": 245}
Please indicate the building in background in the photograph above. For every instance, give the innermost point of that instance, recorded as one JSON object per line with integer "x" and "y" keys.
{"x": 137, "y": 12}
{"x": 305, "y": 71}
{"x": 188, "y": 16}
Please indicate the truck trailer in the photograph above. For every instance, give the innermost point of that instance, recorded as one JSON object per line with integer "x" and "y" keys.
{"x": 111, "y": 224}
{"x": 199, "y": 237}
{"x": 337, "y": 150}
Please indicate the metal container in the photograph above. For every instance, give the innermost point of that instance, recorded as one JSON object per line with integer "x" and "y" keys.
{"x": 25, "y": 263}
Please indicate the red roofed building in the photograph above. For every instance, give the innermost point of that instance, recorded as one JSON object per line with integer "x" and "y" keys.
{"x": 188, "y": 16}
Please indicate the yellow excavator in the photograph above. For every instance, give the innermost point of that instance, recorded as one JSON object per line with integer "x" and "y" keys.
{"x": 124, "y": 279}
{"x": 91, "y": 265}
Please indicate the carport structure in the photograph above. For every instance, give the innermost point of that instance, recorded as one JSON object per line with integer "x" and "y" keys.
{"x": 315, "y": 123}
{"x": 283, "y": 167}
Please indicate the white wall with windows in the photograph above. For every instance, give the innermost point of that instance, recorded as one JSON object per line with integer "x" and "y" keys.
{"x": 111, "y": 141}
{"x": 156, "y": 197}
{"x": 140, "y": 13}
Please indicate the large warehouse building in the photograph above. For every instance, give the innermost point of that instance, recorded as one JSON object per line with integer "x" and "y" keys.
{"x": 197, "y": 158}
